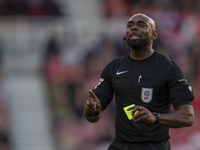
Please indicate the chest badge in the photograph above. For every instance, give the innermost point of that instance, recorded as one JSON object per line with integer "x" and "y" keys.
{"x": 147, "y": 94}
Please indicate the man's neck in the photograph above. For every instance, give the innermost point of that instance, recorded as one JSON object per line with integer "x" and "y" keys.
{"x": 141, "y": 54}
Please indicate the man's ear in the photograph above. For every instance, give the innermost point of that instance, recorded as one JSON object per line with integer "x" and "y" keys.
{"x": 155, "y": 34}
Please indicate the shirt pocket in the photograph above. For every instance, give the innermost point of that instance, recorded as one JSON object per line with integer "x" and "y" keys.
{"x": 121, "y": 87}
{"x": 147, "y": 91}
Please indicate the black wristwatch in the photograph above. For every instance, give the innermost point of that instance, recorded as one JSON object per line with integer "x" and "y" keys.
{"x": 157, "y": 117}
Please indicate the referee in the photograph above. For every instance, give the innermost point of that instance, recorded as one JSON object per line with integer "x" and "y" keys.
{"x": 149, "y": 80}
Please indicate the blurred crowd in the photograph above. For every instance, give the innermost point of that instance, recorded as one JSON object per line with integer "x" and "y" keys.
{"x": 29, "y": 8}
{"x": 128, "y": 7}
{"x": 4, "y": 114}
{"x": 72, "y": 68}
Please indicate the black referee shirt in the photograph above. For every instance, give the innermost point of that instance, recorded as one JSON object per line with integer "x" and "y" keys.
{"x": 155, "y": 82}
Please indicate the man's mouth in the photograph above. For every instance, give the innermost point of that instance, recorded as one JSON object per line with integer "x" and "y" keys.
{"x": 134, "y": 37}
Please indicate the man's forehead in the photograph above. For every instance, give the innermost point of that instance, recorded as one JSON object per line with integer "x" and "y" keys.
{"x": 142, "y": 17}
{"x": 139, "y": 17}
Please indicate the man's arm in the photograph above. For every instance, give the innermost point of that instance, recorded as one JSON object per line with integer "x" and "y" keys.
{"x": 92, "y": 108}
{"x": 182, "y": 117}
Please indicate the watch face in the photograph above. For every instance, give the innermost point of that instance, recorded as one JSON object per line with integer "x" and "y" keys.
{"x": 155, "y": 113}
{"x": 157, "y": 117}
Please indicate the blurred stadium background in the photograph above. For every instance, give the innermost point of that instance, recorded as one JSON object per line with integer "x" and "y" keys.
{"x": 53, "y": 51}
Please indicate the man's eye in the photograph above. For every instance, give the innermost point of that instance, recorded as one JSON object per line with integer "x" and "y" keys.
{"x": 129, "y": 25}
{"x": 142, "y": 25}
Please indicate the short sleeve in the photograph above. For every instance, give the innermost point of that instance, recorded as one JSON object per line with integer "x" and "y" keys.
{"x": 180, "y": 92}
{"x": 103, "y": 89}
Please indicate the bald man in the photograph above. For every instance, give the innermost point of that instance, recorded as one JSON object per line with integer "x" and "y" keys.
{"x": 145, "y": 84}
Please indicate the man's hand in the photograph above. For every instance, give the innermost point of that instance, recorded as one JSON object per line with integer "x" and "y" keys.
{"x": 93, "y": 104}
{"x": 92, "y": 108}
{"x": 143, "y": 114}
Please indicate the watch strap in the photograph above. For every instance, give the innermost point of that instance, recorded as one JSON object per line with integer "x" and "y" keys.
{"x": 157, "y": 117}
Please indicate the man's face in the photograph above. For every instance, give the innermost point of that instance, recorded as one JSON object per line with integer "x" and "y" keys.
{"x": 139, "y": 32}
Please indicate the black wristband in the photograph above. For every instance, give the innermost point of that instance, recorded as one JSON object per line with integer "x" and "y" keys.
{"x": 157, "y": 117}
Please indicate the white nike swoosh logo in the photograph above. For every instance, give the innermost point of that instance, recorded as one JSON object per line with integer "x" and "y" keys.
{"x": 118, "y": 73}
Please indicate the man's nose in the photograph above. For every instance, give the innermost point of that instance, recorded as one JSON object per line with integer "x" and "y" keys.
{"x": 134, "y": 27}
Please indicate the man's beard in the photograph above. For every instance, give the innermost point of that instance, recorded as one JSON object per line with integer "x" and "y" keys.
{"x": 139, "y": 44}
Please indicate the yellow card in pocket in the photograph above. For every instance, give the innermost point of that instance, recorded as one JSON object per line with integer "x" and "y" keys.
{"x": 129, "y": 113}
